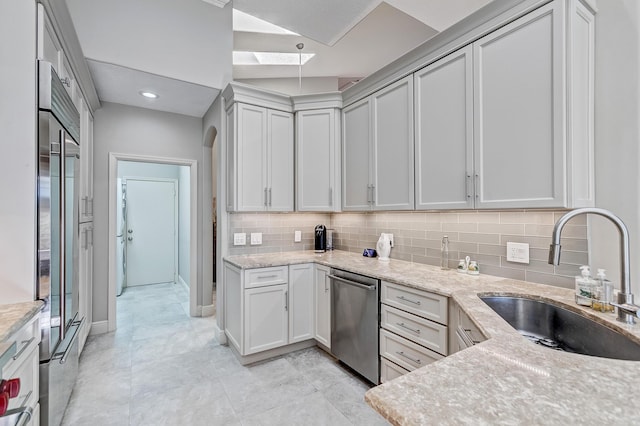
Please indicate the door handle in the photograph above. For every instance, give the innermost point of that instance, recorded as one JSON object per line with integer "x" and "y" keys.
{"x": 467, "y": 180}
{"x": 286, "y": 300}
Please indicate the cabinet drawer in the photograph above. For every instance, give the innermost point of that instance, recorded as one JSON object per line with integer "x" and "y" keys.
{"x": 27, "y": 338}
{"x": 266, "y": 276}
{"x": 404, "y": 352}
{"x": 419, "y": 330}
{"x": 27, "y": 372}
{"x": 390, "y": 371}
{"x": 427, "y": 305}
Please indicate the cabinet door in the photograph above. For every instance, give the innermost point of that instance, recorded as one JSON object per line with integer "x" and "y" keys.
{"x": 356, "y": 160}
{"x": 232, "y": 154}
{"x": 251, "y": 161}
{"x": 322, "y": 305}
{"x": 85, "y": 285}
{"x": 301, "y": 303}
{"x": 86, "y": 164}
{"x": 519, "y": 141}
{"x": 444, "y": 133}
{"x": 233, "y": 306}
{"x": 393, "y": 179}
{"x": 280, "y": 155}
{"x": 315, "y": 165}
{"x": 266, "y": 318}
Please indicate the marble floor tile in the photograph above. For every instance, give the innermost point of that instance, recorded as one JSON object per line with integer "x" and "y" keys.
{"x": 162, "y": 367}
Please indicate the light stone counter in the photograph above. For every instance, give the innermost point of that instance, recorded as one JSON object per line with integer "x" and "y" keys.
{"x": 503, "y": 380}
{"x": 15, "y": 315}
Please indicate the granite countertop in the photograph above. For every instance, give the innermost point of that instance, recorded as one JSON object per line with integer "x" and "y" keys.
{"x": 14, "y": 316}
{"x": 503, "y": 380}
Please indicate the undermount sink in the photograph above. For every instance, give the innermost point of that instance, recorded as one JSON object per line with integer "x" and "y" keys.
{"x": 560, "y": 329}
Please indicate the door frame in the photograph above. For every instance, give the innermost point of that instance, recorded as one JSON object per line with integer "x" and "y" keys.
{"x": 176, "y": 188}
{"x": 114, "y": 157}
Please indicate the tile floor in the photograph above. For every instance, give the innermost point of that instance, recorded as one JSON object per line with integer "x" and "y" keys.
{"x": 162, "y": 367}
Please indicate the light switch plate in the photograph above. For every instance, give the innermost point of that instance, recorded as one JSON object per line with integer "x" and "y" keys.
{"x": 256, "y": 238}
{"x": 297, "y": 236}
{"x": 518, "y": 252}
{"x": 239, "y": 239}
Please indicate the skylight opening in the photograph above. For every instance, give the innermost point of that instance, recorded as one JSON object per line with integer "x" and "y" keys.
{"x": 247, "y": 23}
{"x": 270, "y": 58}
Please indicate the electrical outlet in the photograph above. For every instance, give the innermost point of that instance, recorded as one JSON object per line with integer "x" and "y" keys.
{"x": 517, "y": 252}
{"x": 239, "y": 239}
{"x": 297, "y": 236}
{"x": 256, "y": 238}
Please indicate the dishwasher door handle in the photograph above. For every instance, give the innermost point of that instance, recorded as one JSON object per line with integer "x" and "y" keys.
{"x": 353, "y": 283}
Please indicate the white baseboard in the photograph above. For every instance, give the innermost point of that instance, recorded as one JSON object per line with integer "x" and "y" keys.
{"x": 222, "y": 338}
{"x": 183, "y": 283}
{"x": 99, "y": 327}
{"x": 208, "y": 310}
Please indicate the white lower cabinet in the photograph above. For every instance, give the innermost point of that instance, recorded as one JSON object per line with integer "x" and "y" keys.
{"x": 413, "y": 329}
{"x": 301, "y": 303}
{"x": 266, "y": 318}
{"x": 322, "y": 308}
{"x": 85, "y": 287}
{"x": 25, "y": 366}
{"x": 463, "y": 333}
{"x": 268, "y": 308}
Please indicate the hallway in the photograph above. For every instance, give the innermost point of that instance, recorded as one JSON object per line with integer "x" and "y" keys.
{"x": 162, "y": 367}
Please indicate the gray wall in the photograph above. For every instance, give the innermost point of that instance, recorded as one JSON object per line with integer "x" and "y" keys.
{"x": 184, "y": 215}
{"x": 18, "y": 142}
{"x": 129, "y": 130}
{"x": 617, "y": 145}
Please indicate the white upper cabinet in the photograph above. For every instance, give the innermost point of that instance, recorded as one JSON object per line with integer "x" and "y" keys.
{"x": 259, "y": 152}
{"x": 378, "y": 150}
{"x": 519, "y": 100}
{"x": 356, "y": 158}
{"x": 86, "y": 164}
{"x": 444, "y": 132}
{"x": 317, "y": 160}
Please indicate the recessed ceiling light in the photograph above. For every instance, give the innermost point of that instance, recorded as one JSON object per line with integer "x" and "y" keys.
{"x": 148, "y": 94}
{"x": 270, "y": 58}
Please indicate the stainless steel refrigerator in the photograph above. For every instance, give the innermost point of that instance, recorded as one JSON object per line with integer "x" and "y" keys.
{"x": 58, "y": 231}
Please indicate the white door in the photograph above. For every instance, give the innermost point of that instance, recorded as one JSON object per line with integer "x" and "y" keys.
{"x": 301, "y": 302}
{"x": 356, "y": 182}
{"x": 151, "y": 231}
{"x": 280, "y": 154}
{"x": 266, "y": 318}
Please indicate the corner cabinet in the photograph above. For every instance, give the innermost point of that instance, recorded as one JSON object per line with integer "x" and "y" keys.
{"x": 260, "y": 150}
{"x": 507, "y": 121}
{"x": 268, "y": 308}
{"x": 378, "y": 150}
{"x": 318, "y": 127}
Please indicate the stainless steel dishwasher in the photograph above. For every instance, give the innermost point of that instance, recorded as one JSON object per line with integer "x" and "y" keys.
{"x": 355, "y": 321}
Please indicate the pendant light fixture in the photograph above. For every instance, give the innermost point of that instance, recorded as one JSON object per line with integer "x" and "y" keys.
{"x": 300, "y": 46}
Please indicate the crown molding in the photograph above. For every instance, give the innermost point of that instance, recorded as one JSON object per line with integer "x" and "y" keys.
{"x": 220, "y": 3}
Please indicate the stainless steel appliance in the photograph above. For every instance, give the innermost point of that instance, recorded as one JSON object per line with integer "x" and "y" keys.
{"x": 58, "y": 232}
{"x": 320, "y": 240}
{"x": 355, "y": 318}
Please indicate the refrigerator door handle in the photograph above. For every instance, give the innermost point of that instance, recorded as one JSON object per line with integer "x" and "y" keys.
{"x": 62, "y": 356}
{"x": 62, "y": 238}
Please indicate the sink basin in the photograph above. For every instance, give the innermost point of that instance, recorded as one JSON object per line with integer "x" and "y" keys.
{"x": 560, "y": 329}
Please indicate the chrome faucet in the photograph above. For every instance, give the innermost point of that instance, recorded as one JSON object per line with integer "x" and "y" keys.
{"x": 626, "y": 309}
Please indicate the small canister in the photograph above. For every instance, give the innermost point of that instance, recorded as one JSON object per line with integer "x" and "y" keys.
{"x": 462, "y": 267}
{"x": 474, "y": 268}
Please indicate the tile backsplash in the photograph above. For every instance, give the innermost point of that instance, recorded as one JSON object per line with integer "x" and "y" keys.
{"x": 481, "y": 235}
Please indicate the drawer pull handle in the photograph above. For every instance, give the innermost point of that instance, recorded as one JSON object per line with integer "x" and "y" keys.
{"x": 25, "y": 345}
{"x": 415, "y": 330}
{"x": 402, "y": 354}
{"x": 262, "y": 277}
{"x": 415, "y": 302}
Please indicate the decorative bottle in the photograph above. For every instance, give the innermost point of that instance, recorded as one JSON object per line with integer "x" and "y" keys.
{"x": 444, "y": 253}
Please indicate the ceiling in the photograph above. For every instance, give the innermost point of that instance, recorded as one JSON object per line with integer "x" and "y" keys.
{"x": 183, "y": 47}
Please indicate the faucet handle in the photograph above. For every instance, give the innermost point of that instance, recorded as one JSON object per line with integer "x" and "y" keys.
{"x": 628, "y": 308}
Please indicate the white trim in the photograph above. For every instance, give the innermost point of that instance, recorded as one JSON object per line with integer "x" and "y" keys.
{"x": 220, "y": 3}
{"x": 114, "y": 157}
{"x": 99, "y": 327}
{"x": 182, "y": 282}
{"x": 240, "y": 92}
{"x": 208, "y": 310}
{"x": 220, "y": 336}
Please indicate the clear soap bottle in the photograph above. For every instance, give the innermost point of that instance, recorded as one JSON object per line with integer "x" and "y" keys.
{"x": 603, "y": 294}
{"x": 585, "y": 287}
{"x": 444, "y": 253}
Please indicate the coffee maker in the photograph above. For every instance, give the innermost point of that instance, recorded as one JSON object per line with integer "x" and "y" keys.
{"x": 320, "y": 238}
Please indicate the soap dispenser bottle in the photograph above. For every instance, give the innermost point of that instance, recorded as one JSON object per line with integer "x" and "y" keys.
{"x": 585, "y": 286}
{"x": 604, "y": 293}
